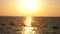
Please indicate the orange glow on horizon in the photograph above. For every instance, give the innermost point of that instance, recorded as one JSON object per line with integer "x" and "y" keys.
{"x": 30, "y": 8}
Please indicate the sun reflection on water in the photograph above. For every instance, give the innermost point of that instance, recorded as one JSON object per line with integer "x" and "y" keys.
{"x": 28, "y": 29}
{"x": 28, "y": 21}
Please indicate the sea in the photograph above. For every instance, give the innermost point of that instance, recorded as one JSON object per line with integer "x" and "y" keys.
{"x": 39, "y": 25}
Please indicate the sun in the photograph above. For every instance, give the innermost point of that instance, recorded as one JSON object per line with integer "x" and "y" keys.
{"x": 28, "y": 6}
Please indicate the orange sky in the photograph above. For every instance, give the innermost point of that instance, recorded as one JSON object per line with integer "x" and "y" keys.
{"x": 48, "y": 8}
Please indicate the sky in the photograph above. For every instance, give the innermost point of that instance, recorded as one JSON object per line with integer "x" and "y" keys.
{"x": 42, "y": 8}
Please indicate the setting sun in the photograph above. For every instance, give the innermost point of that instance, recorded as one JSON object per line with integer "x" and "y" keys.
{"x": 28, "y": 6}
